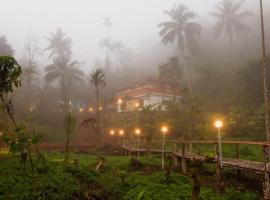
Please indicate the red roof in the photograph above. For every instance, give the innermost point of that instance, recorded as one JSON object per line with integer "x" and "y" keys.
{"x": 145, "y": 87}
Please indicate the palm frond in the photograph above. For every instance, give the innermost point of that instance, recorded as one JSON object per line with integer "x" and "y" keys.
{"x": 175, "y": 29}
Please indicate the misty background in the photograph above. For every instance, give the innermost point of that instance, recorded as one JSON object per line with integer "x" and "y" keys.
{"x": 226, "y": 76}
{"x": 133, "y": 22}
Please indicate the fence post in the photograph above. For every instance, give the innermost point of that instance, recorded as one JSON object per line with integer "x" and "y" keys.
{"x": 266, "y": 184}
{"x": 184, "y": 164}
{"x": 174, "y": 154}
{"x": 237, "y": 156}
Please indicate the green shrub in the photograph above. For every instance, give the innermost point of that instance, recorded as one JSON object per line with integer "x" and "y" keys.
{"x": 246, "y": 151}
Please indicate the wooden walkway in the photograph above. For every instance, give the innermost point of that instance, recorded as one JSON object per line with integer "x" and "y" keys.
{"x": 241, "y": 164}
{"x": 184, "y": 156}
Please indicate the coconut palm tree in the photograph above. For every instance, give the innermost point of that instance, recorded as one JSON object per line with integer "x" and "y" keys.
{"x": 63, "y": 68}
{"x": 230, "y": 19}
{"x": 59, "y": 44}
{"x": 97, "y": 78}
{"x": 66, "y": 72}
{"x": 182, "y": 29}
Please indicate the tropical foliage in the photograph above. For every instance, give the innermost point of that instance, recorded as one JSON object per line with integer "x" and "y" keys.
{"x": 97, "y": 78}
{"x": 63, "y": 69}
{"x": 230, "y": 19}
{"x": 182, "y": 28}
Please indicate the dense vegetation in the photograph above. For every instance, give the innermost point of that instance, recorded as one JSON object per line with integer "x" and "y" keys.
{"x": 116, "y": 180}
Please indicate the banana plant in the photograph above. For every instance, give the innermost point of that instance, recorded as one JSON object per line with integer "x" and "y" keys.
{"x": 70, "y": 129}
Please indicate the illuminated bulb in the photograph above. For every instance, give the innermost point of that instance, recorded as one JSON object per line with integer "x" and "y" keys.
{"x": 121, "y": 132}
{"x": 164, "y": 129}
{"x": 218, "y": 124}
{"x": 137, "y": 131}
{"x": 112, "y": 132}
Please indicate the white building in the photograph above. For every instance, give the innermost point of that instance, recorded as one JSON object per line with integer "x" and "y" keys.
{"x": 150, "y": 92}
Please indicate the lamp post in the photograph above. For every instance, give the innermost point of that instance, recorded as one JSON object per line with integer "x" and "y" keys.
{"x": 138, "y": 132}
{"x": 112, "y": 133}
{"x": 218, "y": 125}
{"x": 164, "y": 130}
{"x": 121, "y": 134}
{"x": 137, "y": 105}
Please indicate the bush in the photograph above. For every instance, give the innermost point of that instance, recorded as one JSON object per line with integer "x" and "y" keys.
{"x": 246, "y": 151}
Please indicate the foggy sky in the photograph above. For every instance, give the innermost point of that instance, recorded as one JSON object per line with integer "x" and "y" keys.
{"x": 133, "y": 20}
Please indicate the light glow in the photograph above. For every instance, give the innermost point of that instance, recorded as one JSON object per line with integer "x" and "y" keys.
{"x": 121, "y": 132}
{"x": 119, "y": 101}
{"x": 164, "y": 129}
{"x": 137, "y": 131}
{"x": 112, "y": 132}
{"x": 218, "y": 124}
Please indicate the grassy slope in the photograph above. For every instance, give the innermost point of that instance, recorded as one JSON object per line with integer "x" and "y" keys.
{"x": 52, "y": 182}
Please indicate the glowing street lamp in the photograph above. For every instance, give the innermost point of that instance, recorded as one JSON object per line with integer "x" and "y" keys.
{"x": 164, "y": 130}
{"x": 81, "y": 109}
{"x": 121, "y": 132}
{"x": 112, "y": 132}
{"x": 137, "y": 104}
{"x": 138, "y": 132}
{"x": 219, "y": 124}
{"x": 90, "y": 109}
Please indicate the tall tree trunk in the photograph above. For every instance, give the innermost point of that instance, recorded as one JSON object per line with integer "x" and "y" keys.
{"x": 186, "y": 72}
{"x": 107, "y": 62}
{"x": 97, "y": 110}
{"x": 265, "y": 81}
{"x": 64, "y": 96}
{"x": 67, "y": 150}
{"x": 265, "y": 86}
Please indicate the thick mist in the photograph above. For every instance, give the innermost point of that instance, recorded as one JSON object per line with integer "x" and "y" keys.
{"x": 133, "y": 22}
